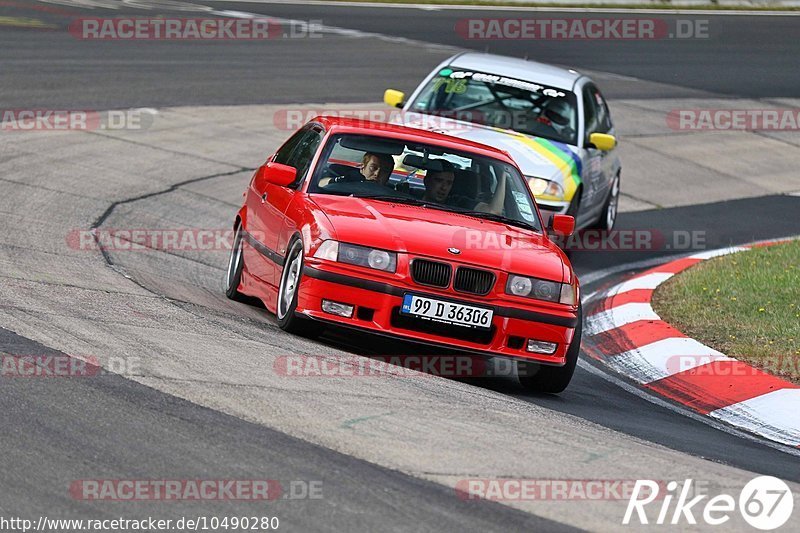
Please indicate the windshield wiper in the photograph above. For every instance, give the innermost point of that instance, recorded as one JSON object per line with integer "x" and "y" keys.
{"x": 452, "y": 209}
{"x": 414, "y": 201}
{"x": 501, "y": 218}
{"x": 395, "y": 199}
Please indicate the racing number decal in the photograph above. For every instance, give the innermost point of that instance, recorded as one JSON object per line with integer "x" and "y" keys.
{"x": 451, "y": 86}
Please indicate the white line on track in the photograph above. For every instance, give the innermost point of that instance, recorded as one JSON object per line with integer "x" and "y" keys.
{"x": 594, "y": 277}
{"x": 566, "y": 8}
{"x": 335, "y": 30}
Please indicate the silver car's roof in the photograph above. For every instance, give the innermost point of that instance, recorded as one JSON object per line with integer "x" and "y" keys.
{"x": 521, "y": 69}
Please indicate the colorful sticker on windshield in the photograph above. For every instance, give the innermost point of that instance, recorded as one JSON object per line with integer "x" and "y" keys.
{"x": 501, "y": 80}
{"x": 523, "y": 205}
{"x": 451, "y": 85}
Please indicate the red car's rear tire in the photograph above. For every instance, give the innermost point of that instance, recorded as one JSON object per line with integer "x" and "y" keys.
{"x": 552, "y": 379}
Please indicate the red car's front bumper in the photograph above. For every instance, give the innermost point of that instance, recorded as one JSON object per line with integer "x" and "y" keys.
{"x": 377, "y": 304}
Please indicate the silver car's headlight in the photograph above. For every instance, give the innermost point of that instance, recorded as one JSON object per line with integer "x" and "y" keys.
{"x": 354, "y": 254}
{"x": 541, "y": 289}
{"x": 541, "y": 187}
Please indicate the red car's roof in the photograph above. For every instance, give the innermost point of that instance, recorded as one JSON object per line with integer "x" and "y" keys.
{"x": 355, "y": 125}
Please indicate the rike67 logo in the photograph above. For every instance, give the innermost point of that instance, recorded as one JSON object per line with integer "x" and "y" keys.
{"x": 765, "y": 503}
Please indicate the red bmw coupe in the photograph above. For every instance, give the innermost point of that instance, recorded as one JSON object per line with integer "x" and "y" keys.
{"x": 411, "y": 234}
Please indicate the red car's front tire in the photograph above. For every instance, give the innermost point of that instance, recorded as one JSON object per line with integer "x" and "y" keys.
{"x": 289, "y": 287}
{"x": 233, "y": 275}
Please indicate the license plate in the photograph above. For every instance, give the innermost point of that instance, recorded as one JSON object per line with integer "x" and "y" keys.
{"x": 447, "y": 312}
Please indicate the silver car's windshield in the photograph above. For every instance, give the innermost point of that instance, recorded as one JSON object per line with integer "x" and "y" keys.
{"x": 491, "y": 100}
{"x": 387, "y": 169}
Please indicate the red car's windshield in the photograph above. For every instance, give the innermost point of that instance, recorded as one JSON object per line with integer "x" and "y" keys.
{"x": 388, "y": 169}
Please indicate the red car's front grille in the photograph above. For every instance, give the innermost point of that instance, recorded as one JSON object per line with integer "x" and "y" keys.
{"x": 473, "y": 280}
{"x": 438, "y": 274}
{"x": 431, "y": 273}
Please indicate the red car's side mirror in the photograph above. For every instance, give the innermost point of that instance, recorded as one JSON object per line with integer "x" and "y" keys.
{"x": 563, "y": 224}
{"x": 275, "y": 173}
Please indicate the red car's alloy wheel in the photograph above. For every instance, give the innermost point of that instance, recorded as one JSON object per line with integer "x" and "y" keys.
{"x": 288, "y": 290}
{"x": 290, "y": 280}
{"x": 235, "y": 265}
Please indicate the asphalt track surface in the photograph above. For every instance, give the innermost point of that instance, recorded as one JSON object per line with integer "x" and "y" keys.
{"x": 743, "y": 56}
{"x": 56, "y": 431}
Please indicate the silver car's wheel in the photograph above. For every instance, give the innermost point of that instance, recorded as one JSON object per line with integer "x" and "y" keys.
{"x": 613, "y": 204}
{"x": 609, "y": 215}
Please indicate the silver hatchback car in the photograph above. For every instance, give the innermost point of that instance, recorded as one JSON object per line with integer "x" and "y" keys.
{"x": 554, "y": 122}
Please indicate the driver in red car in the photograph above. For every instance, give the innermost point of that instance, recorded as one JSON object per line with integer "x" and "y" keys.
{"x": 377, "y": 167}
{"x": 373, "y": 167}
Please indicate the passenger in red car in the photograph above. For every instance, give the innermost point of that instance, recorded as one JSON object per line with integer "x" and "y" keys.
{"x": 439, "y": 184}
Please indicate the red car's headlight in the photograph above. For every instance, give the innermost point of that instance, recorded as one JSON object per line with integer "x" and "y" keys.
{"x": 540, "y": 289}
{"x": 354, "y": 254}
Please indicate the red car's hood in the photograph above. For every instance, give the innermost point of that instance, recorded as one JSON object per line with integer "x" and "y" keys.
{"x": 430, "y": 232}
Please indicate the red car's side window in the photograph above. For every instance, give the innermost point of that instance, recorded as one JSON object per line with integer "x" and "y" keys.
{"x": 299, "y": 150}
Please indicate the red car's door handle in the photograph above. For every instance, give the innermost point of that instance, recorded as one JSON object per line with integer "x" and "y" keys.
{"x": 263, "y": 198}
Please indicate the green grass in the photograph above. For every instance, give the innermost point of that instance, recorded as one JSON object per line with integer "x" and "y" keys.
{"x": 746, "y": 305}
